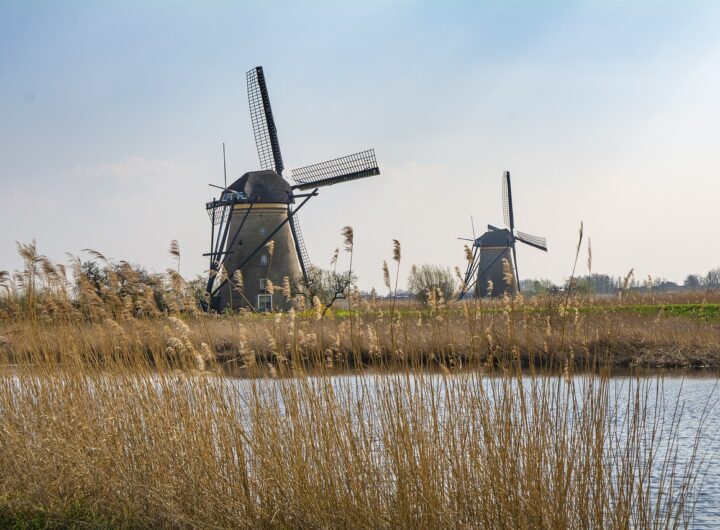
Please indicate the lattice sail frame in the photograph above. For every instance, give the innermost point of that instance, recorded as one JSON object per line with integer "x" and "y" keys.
{"x": 263, "y": 124}
{"x": 218, "y": 212}
{"x": 351, "y": 167}
{"x": 507, "y": 202}
{"x": 303, "y": 254}
{"x": 535, "y": 241}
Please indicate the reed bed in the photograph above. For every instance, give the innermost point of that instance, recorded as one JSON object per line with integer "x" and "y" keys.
{"x": 121, "y": 406}
{"x": 131, "y": 446}
{"x": 99, "y": 309}
{"x": 452, "y": 337}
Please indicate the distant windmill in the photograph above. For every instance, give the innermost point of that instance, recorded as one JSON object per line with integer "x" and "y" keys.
{"x": 257, "y": 209}
{"x": 490, "y": 249}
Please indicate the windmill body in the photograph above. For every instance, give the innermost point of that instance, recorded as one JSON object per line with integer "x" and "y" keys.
{"x": 494, "y": 252}
{"x": 255, "y": 239}
{"x": 268, "y": 197}
{"x": 494, "y": 247}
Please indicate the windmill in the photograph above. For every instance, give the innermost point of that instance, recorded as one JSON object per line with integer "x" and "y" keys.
{"x": 255, "y": 236}
{"x": 490, "y": 249}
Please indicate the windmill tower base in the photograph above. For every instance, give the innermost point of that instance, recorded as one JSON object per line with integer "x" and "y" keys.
{"x": 491, "y": 270}
{"x": 262, "y": 220}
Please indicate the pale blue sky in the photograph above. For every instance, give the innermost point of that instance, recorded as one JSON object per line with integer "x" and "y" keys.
{"x": 112, "y": 117}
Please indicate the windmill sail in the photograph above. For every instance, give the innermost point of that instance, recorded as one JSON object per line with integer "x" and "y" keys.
{"x": 344, "y": 169}
{"x": 218, "y": 211}
{"x": 299, "y": 242}
{"x": 507, "y": 202}
{"x": 516, "y": 274}
{"x": 263, "y": 124}
{"x": 533, "y": 241}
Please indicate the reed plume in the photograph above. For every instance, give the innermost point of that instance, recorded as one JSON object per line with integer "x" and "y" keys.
{"x": 96, "y": 254}
{"x": 396, "y": 250}
{"x": 238, "y": 281}
{"x": 174, "y": 249}
{"x": 348, "y": 238}
{"x": 386, "y": 274}
{"x": 286, "y": 289}
{"x": 468, "y": 254}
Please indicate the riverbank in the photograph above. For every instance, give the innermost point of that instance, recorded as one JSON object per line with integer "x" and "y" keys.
{"x": 543, "y": 332}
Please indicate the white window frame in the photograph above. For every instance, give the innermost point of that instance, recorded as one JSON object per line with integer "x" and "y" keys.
{"x": 264, "y": 302}
{"x": 263, "y": 285}
{"x": 262, "y": 231}
{"x": 263, "y": 260}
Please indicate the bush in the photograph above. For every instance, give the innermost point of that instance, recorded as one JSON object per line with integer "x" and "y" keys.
{"x": 425, "y": 277}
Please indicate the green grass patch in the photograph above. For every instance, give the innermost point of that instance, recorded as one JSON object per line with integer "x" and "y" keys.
{"x": 694, "y": 311}
{"x": 700, "y": 311}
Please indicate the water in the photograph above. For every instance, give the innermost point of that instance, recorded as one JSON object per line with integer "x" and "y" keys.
{"x": 685, "y": 403}
{"x": 699, "y": 396}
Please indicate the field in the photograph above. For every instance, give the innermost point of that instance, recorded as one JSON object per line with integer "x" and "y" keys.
{"x": 123, "y": 408}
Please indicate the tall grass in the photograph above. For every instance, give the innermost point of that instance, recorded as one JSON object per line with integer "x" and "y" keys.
{"x": 126, "y": 445}
{"x": 489, "y": 334}
{"x": 95, "y": 309}
{"x": 118, "y": 408}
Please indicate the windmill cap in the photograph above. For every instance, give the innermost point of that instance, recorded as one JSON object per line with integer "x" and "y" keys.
{"x": 263, "y": 186}
{"x": 495, "y": 238}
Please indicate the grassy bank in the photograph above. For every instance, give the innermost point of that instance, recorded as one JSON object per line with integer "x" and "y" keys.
{"x": 539, "y": 332}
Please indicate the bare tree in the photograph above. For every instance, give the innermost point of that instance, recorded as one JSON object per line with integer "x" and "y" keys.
{"x": 424, "y": 277}
{"x": 712, "y": 280}
{"x": 328, "y": 285}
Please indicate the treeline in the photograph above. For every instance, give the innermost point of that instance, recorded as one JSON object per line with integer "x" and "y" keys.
{"x": 428, "y": 280}
{"x": 607, "y": 284}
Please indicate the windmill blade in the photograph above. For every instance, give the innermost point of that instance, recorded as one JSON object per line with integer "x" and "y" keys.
{"x": 218, "y": 211}
{"x": 344, "y": 169}
{"x": 533, "y": 241}
{"x": 517, "y": 276}
{"x": 470, "y": 273}
{"x": 300, "y": 247}
{"x": 263, "y": 124}
{"x": 507, "y": 202}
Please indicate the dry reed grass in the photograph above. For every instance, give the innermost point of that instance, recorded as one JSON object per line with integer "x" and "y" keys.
{"x": 488, "y": 334}
{"x": 42, "y": 311}
{"x": 117, "y": 410}
{"x": 128, "y": 445}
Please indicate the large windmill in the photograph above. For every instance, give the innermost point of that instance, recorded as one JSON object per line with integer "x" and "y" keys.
{"x": 492, "y": 248}
{"x": 255, "y": 234}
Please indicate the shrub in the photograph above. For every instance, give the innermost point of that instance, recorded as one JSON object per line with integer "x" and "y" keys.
{"x": 425, "y": 277}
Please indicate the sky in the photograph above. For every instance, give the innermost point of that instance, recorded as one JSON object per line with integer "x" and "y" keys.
{"x": 112, "y": 118}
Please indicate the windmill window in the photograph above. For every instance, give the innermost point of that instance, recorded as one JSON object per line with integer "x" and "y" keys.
{"x": 263, "y": 285}
{"x": 262, "y": 231}
{"x": 263, "y": 259}
{"x": 264, "y": 302}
